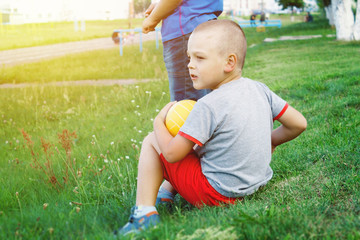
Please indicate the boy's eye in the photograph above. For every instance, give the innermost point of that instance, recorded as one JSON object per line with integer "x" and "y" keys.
{"x": 200, "y": 57}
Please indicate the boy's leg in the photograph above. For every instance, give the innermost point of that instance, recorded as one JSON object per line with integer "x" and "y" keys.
{"x": 150, "y": 173}
{"x": 187, "y": 178}
{"x": 149, "y": 152}
{"x": 166, "y": 194}
{"x": 168, "y": 187}
{"x": 150, "y": 176}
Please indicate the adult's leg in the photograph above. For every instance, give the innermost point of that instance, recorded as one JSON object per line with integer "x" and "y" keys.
{"x": 176, "y": 61}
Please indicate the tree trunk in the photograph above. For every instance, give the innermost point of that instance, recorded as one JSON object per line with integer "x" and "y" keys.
{"x": 330, "y": 14}
{"x": 344, "y": 19}
{"x": 356, "y": 30}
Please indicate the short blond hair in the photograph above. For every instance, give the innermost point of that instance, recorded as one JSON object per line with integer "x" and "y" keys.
{"x": 230, "y": 38}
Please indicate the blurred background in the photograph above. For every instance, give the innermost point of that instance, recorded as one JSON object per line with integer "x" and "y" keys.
{"x": 37, "y": 11}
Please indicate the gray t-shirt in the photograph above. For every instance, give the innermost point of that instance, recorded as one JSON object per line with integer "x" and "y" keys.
{"x": 232, "y": 126}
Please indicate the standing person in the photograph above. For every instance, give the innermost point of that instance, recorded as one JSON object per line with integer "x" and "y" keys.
{"x": 252, "y": 19}
{"x": 262, "y": 18}
{"x": 179, "y": 18}
{"x": 232, "y": 127}
{"x": 308, "y": 17}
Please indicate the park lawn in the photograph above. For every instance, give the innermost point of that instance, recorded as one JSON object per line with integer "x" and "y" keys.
{"x": 37, "y": 34}
{"x": 108, "y": 64}
{"x": 99, "y": 64}
{"x": 314, "y": 192}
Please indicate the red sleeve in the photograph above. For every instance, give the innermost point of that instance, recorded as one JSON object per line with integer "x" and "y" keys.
{"x": 190, "y": 138}
{"x": 282, "y": 112}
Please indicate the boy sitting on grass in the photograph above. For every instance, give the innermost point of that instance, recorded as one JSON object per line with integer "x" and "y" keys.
{"x": 231, "y": 127}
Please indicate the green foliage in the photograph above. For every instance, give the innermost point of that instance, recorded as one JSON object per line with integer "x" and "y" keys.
{"x": 141, "y": 5}
{"x": 323, "y": 3}
{"x": 291, "y": 3}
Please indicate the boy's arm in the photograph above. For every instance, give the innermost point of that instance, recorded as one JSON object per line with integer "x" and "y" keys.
{"x": 156, "y": 12}
{"x": 293, "y": 124}
{"x": 175, "y": 148}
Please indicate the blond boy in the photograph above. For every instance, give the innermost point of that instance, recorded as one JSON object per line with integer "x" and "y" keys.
{"x": 231, "y": 130}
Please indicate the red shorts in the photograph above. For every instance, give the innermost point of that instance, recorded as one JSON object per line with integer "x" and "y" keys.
{"x": 189, "y": 181}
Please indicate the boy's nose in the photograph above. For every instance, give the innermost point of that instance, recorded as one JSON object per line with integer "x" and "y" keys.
{"x": 190, "y": 65}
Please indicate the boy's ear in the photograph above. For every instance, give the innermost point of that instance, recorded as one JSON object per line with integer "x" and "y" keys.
{"x": 230, "y": 63}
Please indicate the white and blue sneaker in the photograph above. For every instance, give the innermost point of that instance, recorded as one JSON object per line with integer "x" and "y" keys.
{"x": 139, "y": 223}
{"x": 164, "y": 197}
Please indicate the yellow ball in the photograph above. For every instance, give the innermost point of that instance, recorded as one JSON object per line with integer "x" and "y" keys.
{"x": 177, "y": 115}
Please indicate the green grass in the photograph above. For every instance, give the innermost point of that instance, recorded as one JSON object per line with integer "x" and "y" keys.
{"x": 314, "y": 193}
{"x": 28, "y": 35}
{"x": 37, "y": 34}
{"x": 101, "y": 64}
{"x": 107, "y": 64}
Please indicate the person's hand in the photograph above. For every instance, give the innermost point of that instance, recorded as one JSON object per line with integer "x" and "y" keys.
{"x": 149, "y": 23}
{"x": 150, "y": 9}
{"x": 162, "y": 114}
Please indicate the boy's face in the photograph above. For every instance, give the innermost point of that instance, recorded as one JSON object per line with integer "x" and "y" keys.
{"x": 206, "y": 66}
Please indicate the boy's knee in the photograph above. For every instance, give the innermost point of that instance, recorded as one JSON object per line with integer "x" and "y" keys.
{"x": 149, "y": 138}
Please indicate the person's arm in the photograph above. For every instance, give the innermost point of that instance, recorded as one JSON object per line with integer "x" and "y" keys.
{"x": 158, "y": 11}
{"x": 293, "y": 124}
{"x": 175, "y": 148}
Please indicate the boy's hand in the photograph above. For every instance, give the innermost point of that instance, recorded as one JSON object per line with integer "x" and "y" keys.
{"x": 162, "y": 114}
{"x": 175, "y": 148}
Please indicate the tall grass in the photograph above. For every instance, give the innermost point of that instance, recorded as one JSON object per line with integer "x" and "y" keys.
{"x": 109, "y": 122}
{"x": 314, "y": 192}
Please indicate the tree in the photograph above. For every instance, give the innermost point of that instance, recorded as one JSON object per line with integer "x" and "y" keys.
{"x": 291, "y": 3}
{"x": 340, "y": 15}
{"x": 141, "y": 5}
{"x": 356, "y": 30}
{"x": 326, "y": 5}
{"x": 344, "y": 19}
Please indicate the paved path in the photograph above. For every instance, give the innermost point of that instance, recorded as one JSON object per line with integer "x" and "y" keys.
{"x": 286, "y": 38}
{"x": 102, "y": 82}
{"x": 34, "y": 54}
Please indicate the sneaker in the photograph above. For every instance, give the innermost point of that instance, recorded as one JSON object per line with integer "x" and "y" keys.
{"x": 135, "y": 225}
{"x": 164, "y": 201}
